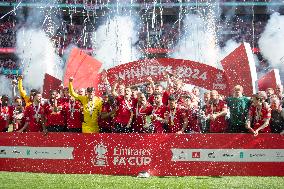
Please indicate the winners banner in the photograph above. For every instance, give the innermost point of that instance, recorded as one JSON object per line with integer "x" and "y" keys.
{"x": 158, "y": 154}
{"x": 190, "y": 72}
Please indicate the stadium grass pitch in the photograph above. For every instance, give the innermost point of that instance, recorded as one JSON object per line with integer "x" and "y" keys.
{"x": 61, "y": 181}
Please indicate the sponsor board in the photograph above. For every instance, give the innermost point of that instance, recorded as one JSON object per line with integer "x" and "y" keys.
{"x": 120, "y": 156}
{"x": 28, "y": 152}
{"x": 228, "y": 155}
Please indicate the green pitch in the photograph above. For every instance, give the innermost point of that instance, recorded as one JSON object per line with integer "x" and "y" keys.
{"x": 61, "y": 181}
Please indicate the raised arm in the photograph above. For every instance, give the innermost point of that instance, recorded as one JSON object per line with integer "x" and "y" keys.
{"x": 152, "y": 84}
{"x": 22, "y": 92}
{"x": 14, "y": 86}
{"x": 113, "y": 90}
{"x": 105, "y": 81}
{"x": 72, "y": 92}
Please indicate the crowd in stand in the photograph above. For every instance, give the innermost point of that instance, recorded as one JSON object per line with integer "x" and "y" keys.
{"x": 7, "y": 34}
{"x": 124, "y": 109}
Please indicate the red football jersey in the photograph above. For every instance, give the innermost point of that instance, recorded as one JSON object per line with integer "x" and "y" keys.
{"x": 106, "y": 123}
{"x": 219, "y": 125}
{"x": 176, "y": 119}
{"x": 140, "y": 117}
{"x": 54, "y": 118}
{"x": 160, "y": 113}
{"x": 34, "y": 115}
{"x": 72, "y": 112}
{"x": 17, "y": 118}
{"x": 259, "y": 117}
{"x": 4, "y": 116}
{"x": 193, "y": 122}
{"x": 123, "y": 112}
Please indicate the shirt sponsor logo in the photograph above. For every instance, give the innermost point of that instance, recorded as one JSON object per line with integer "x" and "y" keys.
{"x": 121, "y": 156}
{"x": 228, "y": 155}
{"x": 131, "y": 156}
{"x": 279, "y": 154}
{"x": 256, "y": 155}
{"x": 36, "y": 152}
{"x": 195, "y": 154}
{"x": 211, "y": 155}
{"x": 241, "y": 154}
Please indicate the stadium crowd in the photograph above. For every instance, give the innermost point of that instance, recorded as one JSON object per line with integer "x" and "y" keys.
{"x": 124, "y": 109}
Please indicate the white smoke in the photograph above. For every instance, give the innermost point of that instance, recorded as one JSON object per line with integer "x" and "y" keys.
{"x": 199, "y": 42}
{"x": 114, "y": 42}
{"x": 229, "y": 47}
{"x": 271, "y": 42}
{"x": 5, "y": 86}
{"x": 37, "y": 56}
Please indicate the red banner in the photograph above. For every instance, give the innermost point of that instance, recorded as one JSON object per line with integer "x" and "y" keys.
{"x": 191, "y": 72}
{"x": 83, "y": 68}
{"x": 269, "y": 80}
{"x": 50, "y": 83}
{"x": 239, "y": 68}
{"x": 129, "y": 154}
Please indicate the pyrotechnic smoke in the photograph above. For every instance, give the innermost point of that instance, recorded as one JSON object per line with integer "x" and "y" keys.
{"x": 271, "y": 42}
{"x": 114, "y": 41}
{"x": 35, "y": 50}
{"x": 5, "y": 86}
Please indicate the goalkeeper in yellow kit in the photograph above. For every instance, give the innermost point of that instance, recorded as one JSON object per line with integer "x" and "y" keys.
{"x": 92, "y": 106}
{"x": 28, "y": 99}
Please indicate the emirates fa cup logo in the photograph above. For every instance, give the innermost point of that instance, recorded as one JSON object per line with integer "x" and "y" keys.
{"x": 100, "y": 155}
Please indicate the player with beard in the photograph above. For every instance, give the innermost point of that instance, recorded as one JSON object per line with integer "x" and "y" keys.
{"x": 64, "y": 95}
{"x": 143, "y": 110}
{"x": 92, "y": 106}
{"x": 124, "y": 108}
{"x": 176, "y": 119}
{"x": 17, "y": 114}
{"x": 5, "y": 110}
{"x": 34, "y": 116}
{"x": 54, "y": 114}
{"x": 203, "y": 118}
{"x": 106, "y": 115}
{"x": 175, "y": 86}
{"x": 216, "y": 113}
{"x": 158, "y": 88}
{"x": 159, "y": 113}
{"x": 73, "y": 115}
{"x": 259, "y": 116}
{"x": 192, "y": 111}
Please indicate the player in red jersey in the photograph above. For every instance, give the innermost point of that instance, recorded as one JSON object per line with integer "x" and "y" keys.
{"x": 158, "y": 114}
{"x": 142, "y": 113}
{"x": 64, "y": 95}
{"x": 177, "y": 117}
{"x": 106, "y": 115}
{"x": 193, "y": 125}
{"x": 4, "y": 113}
{"x": 55, "y": 121}
{"x": 259, "y": 114}
{"x": 216, "y": 112}
{"x": 125, "y": 106}
{"x": 34, "y": 116}
{"x": 158, "y": 88}
{"x": 73, "y": 115}
{"x": 17, "y": 114}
